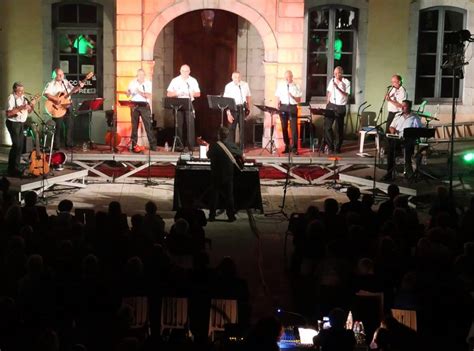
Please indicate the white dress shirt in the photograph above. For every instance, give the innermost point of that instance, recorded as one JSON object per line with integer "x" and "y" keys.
{"x": 184, "y": 88}
{"x": 238, "y": 92}
{"x": 399, "y": 95}
{"x": 55, "y": 87}
{"x": 283, "y": 92}
{"x": 400, "y": 122}
{"x": 135, "y": 87}
{"x": 14, "y": 102}
{"x": 335, "y": 96}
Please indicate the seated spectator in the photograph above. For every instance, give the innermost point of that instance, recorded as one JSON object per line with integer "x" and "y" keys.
{"x": 406, "y": 296}
{"x": 365, "y": 278}
{"x": 33, "y": 214}
{"x": 333, "y": 222}
{"x": 117, "y": 220}
{"x": 264, "y": 336}
{"x": 154, "y": 223}
{"x": 337, "y": 337}
{"x": 386, "y": 208}
{"x": 354, "y": 205}
{"x": 179, "y": 241}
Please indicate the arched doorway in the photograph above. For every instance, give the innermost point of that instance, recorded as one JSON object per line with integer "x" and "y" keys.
{"x": 213, "y": 54}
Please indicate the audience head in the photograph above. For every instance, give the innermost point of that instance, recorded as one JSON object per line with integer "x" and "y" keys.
{"x": 365, "y": 266}
{"x": 34, "y": 265}
{"x": 115, "y": 209}
{"x": 150, "y": 207}
{"x": 393, "y": 191}
{"x": 181, "y": 227}
{"x": 31, "y": 198}
{"x": 227, "y": 267}
{"x": 367, "y": 200}
{"x": 331, "y": 206}
{"x": 353, "y": 193}
{"x": 223, "y": 133}
{"x": 338, "y": 318}
{"x": 65, "y": 206}
{"x": 137, "y": 221}
{"x": 268, "y": 329}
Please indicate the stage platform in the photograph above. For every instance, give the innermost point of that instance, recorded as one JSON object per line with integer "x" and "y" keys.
{"x": 91, "y": 160}
{"x": 67, "y": 177}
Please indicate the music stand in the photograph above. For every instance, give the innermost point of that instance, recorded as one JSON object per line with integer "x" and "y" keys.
{"x": 176, "y": 104}
{"x": 217, "y": 102}
{"x": 326, "y": 113}
{"x": 87, "y": 107}
{"x": 272, "y": 111}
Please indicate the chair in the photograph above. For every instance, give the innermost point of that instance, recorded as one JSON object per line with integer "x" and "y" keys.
{"x": 294, "y": 225}
{"x": 406, "y": 317}
{"x": 222, "y": 312}
{"x": 367, "y": 127}
{"x": 174, "y": 313}
{"x": 139, "y": 305}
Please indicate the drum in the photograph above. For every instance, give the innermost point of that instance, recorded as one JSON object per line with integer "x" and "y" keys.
{"x": 58, "y": 159}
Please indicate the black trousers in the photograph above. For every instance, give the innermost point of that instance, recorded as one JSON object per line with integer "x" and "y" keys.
{"x": 394, "y": 145}
{"x": 187, "y": 116}
{"x": 16, "y": 134}
{"x": 239, "y": 117}
{"x": 225, "y": 189}
{"x": 390, "y": 117}
{"x": 339, "y": 114}
{"x": 289, "y": 113}
{"x": 63, "y": 131}
{"x": 145, "y": 113}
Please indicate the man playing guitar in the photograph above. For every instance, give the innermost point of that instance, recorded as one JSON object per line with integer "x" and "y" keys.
{"x": 56, "y": 91}
{"x": 18, "y": 109}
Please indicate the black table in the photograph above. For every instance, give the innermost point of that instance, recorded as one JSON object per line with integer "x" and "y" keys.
{"x": 192, "y": 188}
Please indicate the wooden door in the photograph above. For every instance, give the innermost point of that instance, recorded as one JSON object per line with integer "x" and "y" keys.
{"x": 212, "y": 56}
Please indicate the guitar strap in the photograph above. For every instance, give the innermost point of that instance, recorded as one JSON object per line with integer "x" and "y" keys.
{"x": 229, "y": 154}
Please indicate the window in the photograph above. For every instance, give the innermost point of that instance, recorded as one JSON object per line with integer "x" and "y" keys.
{"x": 331, "y": 43}
{"x": 77, "y": 30}
{"x": 432, "y": 81}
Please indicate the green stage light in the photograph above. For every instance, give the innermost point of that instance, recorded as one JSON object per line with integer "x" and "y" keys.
{"x": 468, "y": 157}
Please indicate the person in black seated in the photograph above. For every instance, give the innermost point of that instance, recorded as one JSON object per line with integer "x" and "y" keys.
{"x": 336, "y": 338}
{"x": 354, "y": 205}
{"x": 222, "y": 155}
{"x": 405, "y": 119}
{"x": 265, "y": 335}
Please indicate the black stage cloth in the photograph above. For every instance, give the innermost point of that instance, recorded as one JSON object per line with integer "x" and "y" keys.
{"x": 192, "y": 185}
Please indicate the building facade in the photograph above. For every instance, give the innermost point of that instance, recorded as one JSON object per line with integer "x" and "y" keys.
{"x": 371, "y": 39}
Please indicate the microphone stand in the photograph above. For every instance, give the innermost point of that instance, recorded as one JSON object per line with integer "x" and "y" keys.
{"x": 188, "y": 122}
{"x": 383, "y": 104}
{"x": 377, "y": 153}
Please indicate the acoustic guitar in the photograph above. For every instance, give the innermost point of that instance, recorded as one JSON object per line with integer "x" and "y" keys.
{"x": 38, "y": 162}
{"x": 59, "y": 109}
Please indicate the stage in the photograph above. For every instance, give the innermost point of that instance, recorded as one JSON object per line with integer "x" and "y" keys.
{"x": 308, "y": 168}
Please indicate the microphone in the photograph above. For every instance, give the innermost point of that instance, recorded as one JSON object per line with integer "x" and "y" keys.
{"x": 143, "y": 86}
{"x": 390, "y": 86}
{"x": 288, "y": 87}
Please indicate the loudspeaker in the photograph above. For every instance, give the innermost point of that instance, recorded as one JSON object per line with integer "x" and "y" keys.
{"x": 257, "y": 134}
{"x": 27, "y": 144}
{"x": 98, "y": 128}
{"x": 164, "y": 135}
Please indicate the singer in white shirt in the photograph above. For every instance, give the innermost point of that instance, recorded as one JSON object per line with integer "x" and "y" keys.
{"x": 17, "y": 111}
{"x": 240, "y": 92}
{"x": 53, "y": 88}
{"x": 185, "y": 86}
{"x": 396, "y": 94}
{"x": 338, "y": 91}
{"x": 140, "y": 90}
{"x": 288, "y": 95}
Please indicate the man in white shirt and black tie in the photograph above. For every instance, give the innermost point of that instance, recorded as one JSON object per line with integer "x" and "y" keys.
{"x": 240, "y": 92}
{"x": 140, "y": 90}
{"x": 396, "y": 94}
{"x": 288, "y": 95}
{"x": 338, "y": 91}
{"x": 185, "y": 86}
